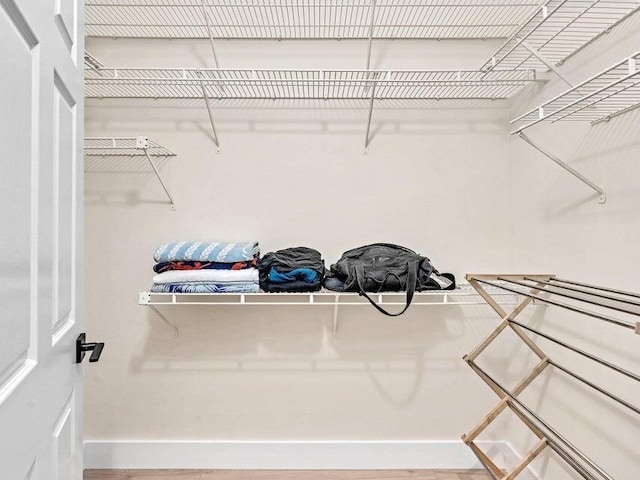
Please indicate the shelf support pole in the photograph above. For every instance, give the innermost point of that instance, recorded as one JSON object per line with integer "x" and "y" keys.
{"x": 568, "y": 168}
{"x": 213, "y": 48}
{"x": 547, "y": 63}
{"x": 155, "y": 169}
{"x": 213, "y": 126}
{"x": 334, "y": 331}
{"x": 367, "y": 139}
{"x": 372, "y": 14}
{"x": 175, "y": 332}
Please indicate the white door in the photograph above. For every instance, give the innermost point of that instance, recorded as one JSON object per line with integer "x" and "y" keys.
{"x": 41, "y": 103}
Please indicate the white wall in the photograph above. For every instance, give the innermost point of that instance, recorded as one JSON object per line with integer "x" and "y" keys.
{"x": 558, "y": 227}
{"x": 435, "y": 179}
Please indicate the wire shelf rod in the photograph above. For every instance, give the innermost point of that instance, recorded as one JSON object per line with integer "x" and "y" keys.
{"x": 573, "y": 297}
{"x": 572, "y": 308}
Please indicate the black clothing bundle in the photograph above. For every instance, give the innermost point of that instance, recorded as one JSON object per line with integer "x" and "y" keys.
{"x": 296, "y": 269}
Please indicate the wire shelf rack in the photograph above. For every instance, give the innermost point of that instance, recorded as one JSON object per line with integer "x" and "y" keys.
{"x": 463, "y": 295}
{"x": 557, "y": 30}
{"x": 123, "y": 147}
{"x": 611, "y": 92}
{"x": 303, "y": 84}
{"x": 307, "y": 19}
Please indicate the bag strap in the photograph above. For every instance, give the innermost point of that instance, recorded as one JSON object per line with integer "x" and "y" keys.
{"x": 412, "y": 278}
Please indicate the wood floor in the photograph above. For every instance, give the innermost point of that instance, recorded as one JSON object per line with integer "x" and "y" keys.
{"x": 286, "y": 475}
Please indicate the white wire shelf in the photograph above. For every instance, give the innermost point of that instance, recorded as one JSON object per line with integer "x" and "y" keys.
{"x": 557, "y": 30}
{"x": 463, "y": 295}
{"x": 122, "y": 150}
{"x": 303, "y": 84}
{"x": 609, "y": 93}
{"x": 123, "y": 147}
{"x": 307, "y": 19}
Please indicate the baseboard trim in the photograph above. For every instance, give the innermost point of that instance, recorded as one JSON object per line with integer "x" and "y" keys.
{"x": 307, "y": 455}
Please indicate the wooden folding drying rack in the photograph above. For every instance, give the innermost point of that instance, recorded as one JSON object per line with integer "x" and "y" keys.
{"x": 530, "y": 288}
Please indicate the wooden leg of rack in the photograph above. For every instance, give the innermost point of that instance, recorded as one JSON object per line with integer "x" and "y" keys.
{"x": 498, "y": 391}
{"x": 536, "y": 431}
{"x": 500, "y": 407}
{"x": 518, "y": 331}
{"x": 486, "y": 461}
{"x": 505, "y": 317}
{"x": 486, "y": 421}
{"x": 533, "y": 453}
{"x": 486, "y": 342}
{"x": 488, "y": 298}
{"x": 526, "y": 381}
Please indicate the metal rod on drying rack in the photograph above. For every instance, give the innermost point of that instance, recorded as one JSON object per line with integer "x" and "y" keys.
{"x": 573, "y": 297}
{"x": 554, "y": 433}
{"x": 586, "y": 292}
{"x": 597, "y": 287}
{"x": 578, "y": 351}
{"x": 583, "y": 380}
{"x": 566, "y": 306}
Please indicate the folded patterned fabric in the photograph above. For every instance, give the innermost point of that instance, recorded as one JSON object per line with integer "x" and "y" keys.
{"x": 221, "y": 252}
{"x": 207, "y": 276}
{"x": 306, "y": 275}
{"x": 239, "y": 287}
{"x": 166, "y": 266}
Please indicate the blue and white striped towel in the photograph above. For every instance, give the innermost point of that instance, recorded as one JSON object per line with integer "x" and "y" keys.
{"x": 223, "y": 252}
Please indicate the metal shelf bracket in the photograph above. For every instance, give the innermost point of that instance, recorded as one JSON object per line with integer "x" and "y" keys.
{"x": 334, "y": 331}
{"x": 367, "y": 139}
{"x": 210, "y": 33}
{"x": 547, "y": 63}
{"x": 209, "y": 111}
{"x": 175, "y": 333}
{"x": 603, "y": 196}
{"x": 143, "y": 144}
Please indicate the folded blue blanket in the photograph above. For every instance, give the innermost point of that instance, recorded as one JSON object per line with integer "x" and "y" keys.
{"x": 306, "y": 275}
{"x": 225, "y": 252}
{"x": 192, "y": 287}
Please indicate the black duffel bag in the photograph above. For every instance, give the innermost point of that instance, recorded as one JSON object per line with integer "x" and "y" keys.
{"x": 384, "y": 267}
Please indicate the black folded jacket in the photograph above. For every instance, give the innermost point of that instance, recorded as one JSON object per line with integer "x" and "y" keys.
{"x": 287, "y": 260}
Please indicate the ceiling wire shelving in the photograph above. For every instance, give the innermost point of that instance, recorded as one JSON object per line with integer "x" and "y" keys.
{"x": 125, "y": 149}
{"x": 557, "y": 30}
{"x": 609, "y": 93}
{"x": 368, "y": 85}
{"x": 303, "y": 84}
{"x": 605, "y": 95}
{"x": 306, "y": 19}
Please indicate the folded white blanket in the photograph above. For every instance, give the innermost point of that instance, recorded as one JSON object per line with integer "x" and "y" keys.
{"x": 213, "y": 276}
